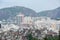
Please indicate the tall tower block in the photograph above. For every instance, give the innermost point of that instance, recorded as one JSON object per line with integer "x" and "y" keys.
{"x": 20, "y": 18}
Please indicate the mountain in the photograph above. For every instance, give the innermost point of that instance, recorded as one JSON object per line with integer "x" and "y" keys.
{"x": 5, "y": 13}
{"x": 54, "y": 14}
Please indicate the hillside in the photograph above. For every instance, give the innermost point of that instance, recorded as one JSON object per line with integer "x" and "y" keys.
{"x": 55, "y": 14}
{"x": 5, "y": 13}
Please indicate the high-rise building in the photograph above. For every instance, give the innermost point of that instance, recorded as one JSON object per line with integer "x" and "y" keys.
{"x": 19, "y": 18}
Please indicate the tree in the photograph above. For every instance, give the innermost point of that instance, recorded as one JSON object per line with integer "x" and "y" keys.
{"x": 45, "y": 38}
{"x": 30, "y": 37}
{"x": 51, "y": 38}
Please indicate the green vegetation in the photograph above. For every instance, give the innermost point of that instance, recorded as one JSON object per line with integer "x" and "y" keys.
{"x": 51, "y": 38}
{"x": 59, "y": 34}
{"x": 29, "y": 37}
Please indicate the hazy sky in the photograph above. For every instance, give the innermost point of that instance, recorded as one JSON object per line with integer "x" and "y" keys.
{"x": 37, "y": 5}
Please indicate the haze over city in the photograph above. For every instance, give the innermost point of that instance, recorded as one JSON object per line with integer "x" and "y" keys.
{"x": 29, "y": 19}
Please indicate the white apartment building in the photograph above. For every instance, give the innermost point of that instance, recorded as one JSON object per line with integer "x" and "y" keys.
{"x": 48, "y": 23}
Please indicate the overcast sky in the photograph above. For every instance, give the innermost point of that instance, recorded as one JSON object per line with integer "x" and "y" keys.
{"x": 37, "y": 5}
